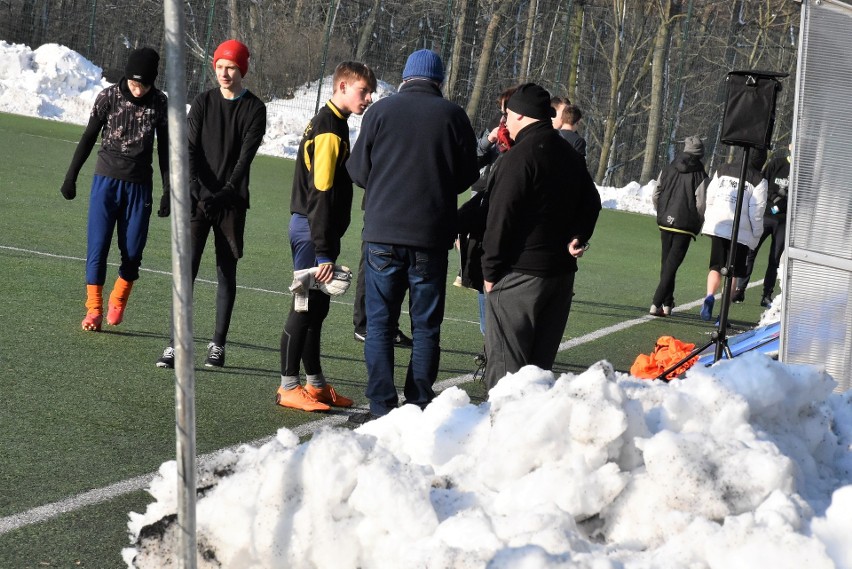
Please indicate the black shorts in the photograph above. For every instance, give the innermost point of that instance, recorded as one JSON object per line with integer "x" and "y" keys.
{"x": 719, "y": 250}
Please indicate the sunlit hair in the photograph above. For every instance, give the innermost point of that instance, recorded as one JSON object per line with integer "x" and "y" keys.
{"x": 571, "y": 114}
{"x": 352, "y": 71}
{"x": 557, "y": 102}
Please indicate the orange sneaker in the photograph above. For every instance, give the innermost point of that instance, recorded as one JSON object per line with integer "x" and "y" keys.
{"x": 328, "y": 396}
{"x": 92, "y": 322}
{"x": 299, "y": 399}
{"x": 115, "y": 313}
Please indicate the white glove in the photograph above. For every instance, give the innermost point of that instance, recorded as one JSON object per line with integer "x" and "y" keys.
{"x": 340, "y": 280}
{"x": 304, "y": 281}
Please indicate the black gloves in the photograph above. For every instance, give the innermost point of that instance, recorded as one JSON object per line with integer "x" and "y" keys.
{"x": 69, "y": 189}
{"x": 165, "y": 205}
{"x": 218, "y": 202}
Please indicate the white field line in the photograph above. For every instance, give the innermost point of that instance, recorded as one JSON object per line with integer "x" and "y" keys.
{"x": 100, "y": 495}
{"x": 205, "y": 281}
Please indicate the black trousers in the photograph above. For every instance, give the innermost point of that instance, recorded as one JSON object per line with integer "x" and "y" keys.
{"x": 673, "y": 252}
{"x": 774, "y": 227}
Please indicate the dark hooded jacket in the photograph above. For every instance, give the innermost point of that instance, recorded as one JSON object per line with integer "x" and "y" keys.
{"x": 680, "y": 195}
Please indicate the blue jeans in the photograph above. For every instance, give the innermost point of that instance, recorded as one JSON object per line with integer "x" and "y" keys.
{"x": 390, "y": 271}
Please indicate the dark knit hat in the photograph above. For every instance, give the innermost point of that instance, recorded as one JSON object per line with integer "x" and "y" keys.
{"x": 693, "y": 145}
{"x": 532, "y": 101}
{"x": 142, "y": 65}
{"x": 425, "y": 64}
{"x": 235, "y": 51}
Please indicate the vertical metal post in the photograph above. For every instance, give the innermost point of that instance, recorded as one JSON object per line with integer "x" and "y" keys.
{"x": 92, "y": 30}
{"x": 182, "y": 283}
{"x": 721, "y": 343}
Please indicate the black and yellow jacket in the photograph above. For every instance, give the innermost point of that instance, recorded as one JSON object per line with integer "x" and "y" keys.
{"x": 322, "y": 188}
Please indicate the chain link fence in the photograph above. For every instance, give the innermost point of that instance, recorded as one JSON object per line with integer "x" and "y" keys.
{"x": 645, "y": 74}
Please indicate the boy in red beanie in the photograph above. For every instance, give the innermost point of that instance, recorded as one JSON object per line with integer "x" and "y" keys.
{"x": 129, "y": 114}
{"x": 225, "y": 127}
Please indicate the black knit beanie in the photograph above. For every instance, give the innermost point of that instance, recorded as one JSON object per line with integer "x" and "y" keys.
{"x": 142, "y": 65}
{"x": 531, "y": 100}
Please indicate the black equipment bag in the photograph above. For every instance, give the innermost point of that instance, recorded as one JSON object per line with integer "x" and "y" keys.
{"x": 750, "y": 108}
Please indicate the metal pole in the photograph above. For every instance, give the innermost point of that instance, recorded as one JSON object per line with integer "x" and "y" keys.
{"x": 182, "y": 283}
{"x": 732, "y": 258}
{"x": 92, "y": 30}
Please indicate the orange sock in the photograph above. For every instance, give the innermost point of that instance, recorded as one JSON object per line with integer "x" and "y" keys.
{"x": 95, "y": 299}
{"x": 120, "y": 292}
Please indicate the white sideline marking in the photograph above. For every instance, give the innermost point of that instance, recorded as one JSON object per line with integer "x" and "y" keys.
{"x": 100, "y": 495}
{"x": 205, "y": 281}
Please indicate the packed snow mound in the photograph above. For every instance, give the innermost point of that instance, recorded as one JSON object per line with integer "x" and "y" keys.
{"x": 591, "y": 470}
{"x": 51, "y": 82}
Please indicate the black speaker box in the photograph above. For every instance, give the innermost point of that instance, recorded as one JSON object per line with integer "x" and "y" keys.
{"x": 750, "y": 108}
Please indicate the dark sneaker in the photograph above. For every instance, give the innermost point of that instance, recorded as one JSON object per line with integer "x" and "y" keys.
{"x": 167, "y": 360}
{"x": 400, "y": 340}
{"x": 766, "y": 301}
{"x": 656, "y": 310}
{"x": 360, "y": 336}
{"x": 707, "y": 308}
{"x": 738, "y": 296}
{"x": 215, "y": 355}
{"x": 361, "y": 418}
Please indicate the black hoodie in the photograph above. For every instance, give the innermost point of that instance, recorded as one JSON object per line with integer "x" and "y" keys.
{"x": 680, "y": 193}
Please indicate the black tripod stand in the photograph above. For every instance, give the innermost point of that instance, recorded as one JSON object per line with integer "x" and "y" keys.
{"x": 719, "y": 336}
{"x": 748, "y": 122}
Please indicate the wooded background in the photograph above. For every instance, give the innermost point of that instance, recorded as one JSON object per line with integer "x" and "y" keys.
{"x": 646, "y": 73}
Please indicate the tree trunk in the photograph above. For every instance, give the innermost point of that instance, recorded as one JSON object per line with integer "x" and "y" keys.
{"x": 455, "y": 56}
{"x": 367, "y": 31}
{"x": 528, "y": 41}
{"x": 488, "y": 41}
{"x": 614, "y": 84}
{"x": 233, "y": 19}
{"x": 658, "y": 82}
{"x": 576, "y": 23}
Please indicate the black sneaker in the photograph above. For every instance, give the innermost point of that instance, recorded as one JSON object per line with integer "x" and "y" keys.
{"x": 167, "y": 360}
{"x": 400, "y": 340}
{"x": 215, "y": 355}
{"x": 360, "y": 336}
{"x": 361, "y": 418}
{"x": 738, "y": 296}
{"x": 766, "y": 301}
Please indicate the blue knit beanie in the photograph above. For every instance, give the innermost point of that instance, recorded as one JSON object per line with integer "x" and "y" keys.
{"x": 424, "y": 63}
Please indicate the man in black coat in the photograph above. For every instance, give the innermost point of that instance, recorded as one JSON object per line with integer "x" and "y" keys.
{"x": 543, "y": 209}
{"x": 679, "y": 200}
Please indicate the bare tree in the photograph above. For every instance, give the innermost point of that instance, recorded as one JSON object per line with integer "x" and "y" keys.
{"x": 666, "y": 10}
{"x": 502, "y": 8}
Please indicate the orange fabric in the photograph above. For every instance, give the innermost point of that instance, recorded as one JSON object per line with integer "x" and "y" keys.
{"x": 95, "y": 299}
{"x": 120, "y": 292}
{"x": 667, "y": 352}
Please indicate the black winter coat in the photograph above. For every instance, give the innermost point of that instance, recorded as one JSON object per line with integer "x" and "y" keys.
{"x": 678, "y": 208}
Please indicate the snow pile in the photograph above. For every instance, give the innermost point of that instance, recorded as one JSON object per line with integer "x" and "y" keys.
{"x": 726, "y": 468}
{"x": 51, "y": 82}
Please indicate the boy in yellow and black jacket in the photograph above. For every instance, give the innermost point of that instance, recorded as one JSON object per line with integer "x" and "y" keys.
{"x": 320, "y": 204}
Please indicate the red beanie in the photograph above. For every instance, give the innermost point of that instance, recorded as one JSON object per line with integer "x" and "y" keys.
{"x": 235, "y": 51}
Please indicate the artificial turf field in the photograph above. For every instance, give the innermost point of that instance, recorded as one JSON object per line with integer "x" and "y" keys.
{"x": 81, "y": 411}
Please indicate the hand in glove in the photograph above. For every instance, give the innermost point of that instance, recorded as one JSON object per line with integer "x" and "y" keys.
{"x": 165, "y": 205}
{"x": 69, "y": 189}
